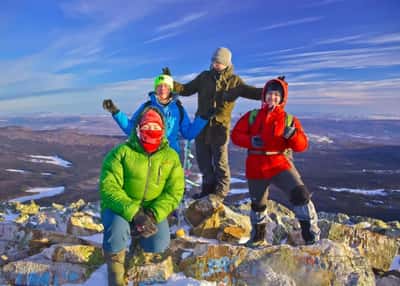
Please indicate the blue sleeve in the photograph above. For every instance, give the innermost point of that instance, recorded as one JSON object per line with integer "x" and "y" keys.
{"x": 124, "y": 122}
{"x": 190, "y": 130}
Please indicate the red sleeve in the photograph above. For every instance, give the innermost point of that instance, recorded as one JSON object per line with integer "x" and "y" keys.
{"x": 240, "y": 133}
{"x": 299, "y": 141}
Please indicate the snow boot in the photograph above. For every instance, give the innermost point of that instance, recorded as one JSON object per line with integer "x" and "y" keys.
{"x": 116, "y": 268}
{"x": 308, "y": 220}
{"x": 258, "y": 236}
{"x": 258, "y": 224}
{"x": 206, "y": 189}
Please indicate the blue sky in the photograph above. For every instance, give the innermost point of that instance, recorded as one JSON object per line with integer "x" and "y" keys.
{"x": 339, "y": 57}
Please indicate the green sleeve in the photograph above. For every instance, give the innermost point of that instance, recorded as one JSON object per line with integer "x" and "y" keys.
{"x": 112, "y": 193}
{"x": 172, "y": 194}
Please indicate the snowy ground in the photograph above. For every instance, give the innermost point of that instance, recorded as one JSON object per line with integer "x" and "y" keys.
{"x": 55, "y": 160}
{"x": 40, "y": 193}
{"x": 377, "y": 192}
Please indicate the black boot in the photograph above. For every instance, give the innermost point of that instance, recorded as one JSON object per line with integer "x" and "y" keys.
{"x": 258, "y": 239}
{"x": 308, "y": 236}
{"x": 206, "y": 189}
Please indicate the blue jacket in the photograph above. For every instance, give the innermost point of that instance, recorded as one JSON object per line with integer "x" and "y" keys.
{"x": 189, "y": 130}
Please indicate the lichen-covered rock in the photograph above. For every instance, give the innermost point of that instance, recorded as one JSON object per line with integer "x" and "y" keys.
{"x": 146, "y": 268}
{"x": 75, "y": 253}
{"x": 378, "y": 249}
{"x": 82, "y": 224}
{"x": 214, "y": 263}
{"x": 211, "y": 219}
{"x": 327, "y": 263}
{"x": 29, "y": 208}
{"x": 43, "y": 272}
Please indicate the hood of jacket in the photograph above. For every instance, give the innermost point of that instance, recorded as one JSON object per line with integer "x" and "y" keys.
{"x": 134, "y": 139}
{"x": 285, "y": 94}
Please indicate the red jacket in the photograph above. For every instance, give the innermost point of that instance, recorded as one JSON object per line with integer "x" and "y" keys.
{"x": 270, "y": 126}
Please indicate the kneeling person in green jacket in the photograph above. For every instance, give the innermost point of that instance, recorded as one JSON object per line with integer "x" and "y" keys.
{"x": 141, "y": 183}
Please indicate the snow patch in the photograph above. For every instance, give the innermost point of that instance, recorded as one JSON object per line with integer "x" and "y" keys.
{"x": 377, "y": 192}
{"x": 16, "y": 171}
{"x": 395, "y": 263}
{"x": 381, "y": 172}
{"x": 238, "y": 180}
{"x": 238, "y": 191}
{"x": 319, "y": 139}
{"x": 41, "y": 193}
{"x": 55, "y": 160}
{"x": 99, "y": 278}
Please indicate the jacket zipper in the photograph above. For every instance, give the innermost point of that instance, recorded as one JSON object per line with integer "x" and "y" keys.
{"x": 147, "y": 178}
{"x": 159, "y": 175}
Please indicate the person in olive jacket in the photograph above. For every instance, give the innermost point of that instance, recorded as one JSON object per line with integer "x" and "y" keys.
{"x": 141, "y": 183}
{"x": 217, "y": 89}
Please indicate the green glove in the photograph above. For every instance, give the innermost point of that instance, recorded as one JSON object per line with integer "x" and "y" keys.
{"x": 109, "y": 105}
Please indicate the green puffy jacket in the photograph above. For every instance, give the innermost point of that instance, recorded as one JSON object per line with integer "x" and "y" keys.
{"x": 131, "y": 178}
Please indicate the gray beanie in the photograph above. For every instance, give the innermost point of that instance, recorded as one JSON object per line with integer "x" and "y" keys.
{"x": 222, "y": 55}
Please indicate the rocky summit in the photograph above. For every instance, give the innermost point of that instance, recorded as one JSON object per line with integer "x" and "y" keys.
{"x": 61, "y": 245}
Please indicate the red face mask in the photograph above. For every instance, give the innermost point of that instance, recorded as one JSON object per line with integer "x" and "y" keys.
{"x": 150, "y": 139}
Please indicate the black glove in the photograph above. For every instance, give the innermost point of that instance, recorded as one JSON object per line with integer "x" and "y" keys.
{"x": 166, "y": 71}
{"x": 109, "y": 105}
{"x": 257, "y": 142}
{"x": 211, "y": 113}
{"x": 143, "y": 224}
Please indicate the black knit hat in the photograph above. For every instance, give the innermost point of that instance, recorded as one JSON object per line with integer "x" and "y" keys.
{"x": 276, "y": 86}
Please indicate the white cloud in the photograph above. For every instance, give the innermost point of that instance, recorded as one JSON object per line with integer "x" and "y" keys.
{"x": 291, "y": 23}
{"x": 381, "y": 39}
{"x": 162, "y": 37}
{"x": 181, "y": 22}
{"x": 339, "y": 40}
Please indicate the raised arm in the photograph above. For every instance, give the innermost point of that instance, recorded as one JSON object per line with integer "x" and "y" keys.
{"x": 189, "y": 88}
{"x": 124, "y": 122}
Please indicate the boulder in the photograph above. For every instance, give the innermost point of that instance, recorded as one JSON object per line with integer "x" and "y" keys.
{"x": 212, "y": 219}
{"x": 83, "y": 224}
{"x": 327, "y": 263}
{"x": 378, "y": 249}
{"x": 146, "y": 268}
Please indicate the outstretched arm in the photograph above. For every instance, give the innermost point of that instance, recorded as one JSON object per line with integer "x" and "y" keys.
{"x": 189, "y": 88}
{"x": 243, "y": 90}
